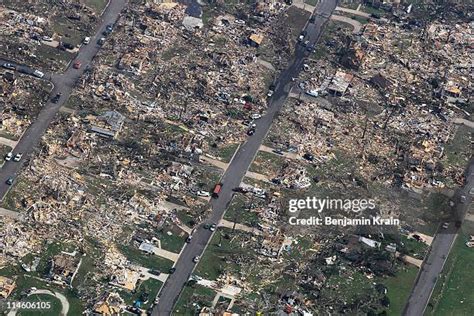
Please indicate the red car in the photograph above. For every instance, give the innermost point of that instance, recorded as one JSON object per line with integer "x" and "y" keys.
{"x": 76, "y": 65}
{"x": 217, "y": 190}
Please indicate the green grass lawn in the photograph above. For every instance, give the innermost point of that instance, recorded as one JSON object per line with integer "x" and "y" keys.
{"x": 399, "y": 287}
{"x": 150, "y": 286}
{"x": 238, "y": 211}
{"x": 213, "y": 262}
{"x": 453, "y": 294}
{"x": 150, "y": 261}
{"x": 224, "y": 152}
{"x": 173, "y": 242}
{"x": 267, "y": 163}
{"x": 97, "y": 5}
{"x": 195, "y": 294}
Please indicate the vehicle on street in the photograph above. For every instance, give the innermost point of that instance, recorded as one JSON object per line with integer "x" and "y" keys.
{"x": 56, "y": 98}
{"x": 38, "y": 74}
{"x": 213, "y": 227}
{"x": 471, "y": 191}
{"x": 217, "y": 190}
{"x": 306, "y": 43}
{"x": 445, "y": 225}
{"x": 9, "y": 156}
{"x": 302, "y": 36}
{"x": 9, "y": 66}
{"x": 251, "y": 131}
{"x": 310, "y": 48}
{"x": 463, "y": 199}
{"x": 172, "y": 270}
{"x": 207, "y": 226}
{"x": 188, "y": 240}
{"x": 271, "y": 90}
{"x": 9, "y": 181}
{"x": 196, "y": 259}
{"x": 86, "y": 40}
{"x": 77, "y": 64}
{"x": 18, "y": 157}
{"x": 203, "y": 193}
{"x": 312, "y": 19}
{"x": 255, "y": 116}
{"x": 101, "y": 41}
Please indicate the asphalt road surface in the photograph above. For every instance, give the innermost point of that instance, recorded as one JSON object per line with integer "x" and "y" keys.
{"x": 64, "y": 84}
{"x": 440, "y": 248}
{"x": 239, "y": 165}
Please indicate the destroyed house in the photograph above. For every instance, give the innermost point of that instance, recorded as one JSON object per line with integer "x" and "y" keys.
{"x": 339, "y": 83}
{"x": 108, "y": 125}
{"x": 6, "y": 286}
{"x": 63, "y": 268}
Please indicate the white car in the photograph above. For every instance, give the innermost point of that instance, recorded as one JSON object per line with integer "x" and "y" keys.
{"x": 18, "y": 157}
{"x": 255, "y": 116}
{"x": 87, "y": 40}
{"x": 203, "y": 193}
{"x": 38, "y": 74}
{"x": 445, "y": 225}
{"x": 9, "y": 156}
{"x": 270, "y": 93}
{"x": 196, "y": 259}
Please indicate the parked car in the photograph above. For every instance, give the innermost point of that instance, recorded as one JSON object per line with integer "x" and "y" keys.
{"x": 312, "y": 19}
{"x": 213, "y": 227}
{"x": 86, "y": 40}
{"x": 278, "y": 151}
{"x": 271, "y": 90}
{"x": 77, "y": 64}
{"x": 251, "y": 131}
{"x": 101, "y": 41}
{"x": 154, "y": 271}
{"x": 445, "y": 225}
{"x": 38, "y": 74}
{"x": 9, "y": 156}
{"x": 18, "y": 157}
{"x": 172, "y": 270}
{"x": 196, "y": 259}
{"x": 203, "y": 193}
{"x": 306, "y": 43}
{"x": 188, "y": 240}
{"x": 9, "y": 181}
{"x": 255, "y": 116}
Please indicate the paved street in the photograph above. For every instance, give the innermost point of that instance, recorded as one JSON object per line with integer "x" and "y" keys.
{"x": 238, "y": 167}
{"x": 440, "y": 248}
{"x": 64, "y": 84}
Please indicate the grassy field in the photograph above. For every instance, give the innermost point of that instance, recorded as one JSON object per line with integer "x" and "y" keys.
{"x": 268, "y": 164}
{"x": 224, "y": 152}
{"x": 192, "y": 299}
{"x": 239, "y": 213}
{"x": 136, "y": 256}
{"x": 97, "y": 5}
{"x": 399, "y": 287}
{"x": 217, "y": 257}
{"x": 453, "y": 293}
{"x": 150, "y": 287}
